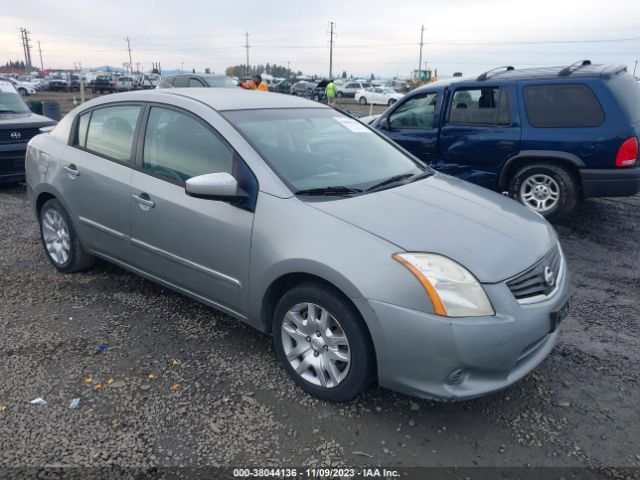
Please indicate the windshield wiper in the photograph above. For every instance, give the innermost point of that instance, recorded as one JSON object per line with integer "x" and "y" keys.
{"x": 338, "y": 190}
{"x": 7, "y": 111}
{"x": 397, "y": 178}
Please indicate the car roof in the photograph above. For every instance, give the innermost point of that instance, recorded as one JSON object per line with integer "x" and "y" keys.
{"x": 223, "y": 98}
{"x": 559, "y": 72}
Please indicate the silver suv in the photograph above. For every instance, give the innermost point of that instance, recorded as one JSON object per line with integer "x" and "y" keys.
{"x": 364, "y": 264}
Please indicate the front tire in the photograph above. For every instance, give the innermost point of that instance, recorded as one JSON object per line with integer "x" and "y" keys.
{"x": 22, "y": 91}
{"x": 363, "y": 101}
{"x": 339, "y": 94}
{"x": 391, "y": 102}
{"x": 60, "y": 240}
{"x": 323, "y": 343}
{"x": 545, "y": 188}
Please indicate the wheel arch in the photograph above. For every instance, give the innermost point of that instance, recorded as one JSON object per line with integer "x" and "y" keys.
{"x": 564, "y": 159}
{"x": 286, "y": 281}
{"x": 41, "y": 199}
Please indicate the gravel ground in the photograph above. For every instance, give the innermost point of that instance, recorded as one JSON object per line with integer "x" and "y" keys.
{"x": 180, "y": 384}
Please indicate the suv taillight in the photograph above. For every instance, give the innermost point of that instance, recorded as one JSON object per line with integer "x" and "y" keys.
{"x": 628, "y": 153}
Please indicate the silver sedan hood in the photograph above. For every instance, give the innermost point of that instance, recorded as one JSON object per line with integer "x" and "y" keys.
{"x": 491, "y": 235}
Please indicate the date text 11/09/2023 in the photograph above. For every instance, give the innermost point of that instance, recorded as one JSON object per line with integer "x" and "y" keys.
{"x": 315, "y": 473}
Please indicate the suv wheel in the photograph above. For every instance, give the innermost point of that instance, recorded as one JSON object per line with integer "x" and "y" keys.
{"x": 22, "y": 91}
{"x": 322, "y": 343}
{"x": 60, "y": 241}
{"x": 547, "y": 189}
{"x": 363, "y": 101}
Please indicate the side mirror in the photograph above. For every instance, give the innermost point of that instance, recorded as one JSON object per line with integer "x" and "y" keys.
{"x": 215, "y": 186}
{"x": 384, "y": 123}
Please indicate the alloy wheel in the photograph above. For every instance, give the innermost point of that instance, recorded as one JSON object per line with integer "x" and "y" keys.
{"x": 316, "y": 345}
{"x": 57, "y": 239}
{"x": 540, "y": 192}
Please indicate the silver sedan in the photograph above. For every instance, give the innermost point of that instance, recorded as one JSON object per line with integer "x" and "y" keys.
{"x": 364, "y": 264}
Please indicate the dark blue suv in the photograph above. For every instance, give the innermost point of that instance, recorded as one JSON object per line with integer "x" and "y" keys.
{"x": 547, "y": 136}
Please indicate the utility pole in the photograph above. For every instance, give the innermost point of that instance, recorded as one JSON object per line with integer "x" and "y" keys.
{"x": 331, "y": 24}
{"x": 182, "y": 67}
{"x": 24, "y": 34}
{"x": 246, "y": 45}
{"x": 40, "y": 51}
{"x": 634, "y": 68}
{"x": 130, "y": 61}
{"x": 421, "y": 44}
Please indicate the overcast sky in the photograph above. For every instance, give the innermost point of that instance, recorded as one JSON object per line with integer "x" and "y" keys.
{"x": 379, "y": 37}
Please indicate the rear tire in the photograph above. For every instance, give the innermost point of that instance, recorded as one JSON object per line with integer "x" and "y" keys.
{"x": 339, "y": 94}
{"x": 22, "y": 91}
{"x": 60, "y": 240}
{"x": 546, "y": 188}
{"x": 363, "y": 101}
{"x": 391, "y": 101}
{"x": 340, "y": 362}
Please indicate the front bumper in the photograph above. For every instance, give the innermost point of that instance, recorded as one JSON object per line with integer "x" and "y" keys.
{"x": 452, "y": 359}
{"x": 12, "y": 162}
{"x": 619, "y": 182}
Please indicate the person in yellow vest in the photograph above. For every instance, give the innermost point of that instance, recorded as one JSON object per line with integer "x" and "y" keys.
{"x": 331, "y": 91}
{"x": 255, "y": 84}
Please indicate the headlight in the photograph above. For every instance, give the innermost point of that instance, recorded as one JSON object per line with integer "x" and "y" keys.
{"x": 453, "y": 290}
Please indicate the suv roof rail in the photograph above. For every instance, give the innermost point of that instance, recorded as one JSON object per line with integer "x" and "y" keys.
{"x": 566, "y": 71}
{"x": 485, "y": 75}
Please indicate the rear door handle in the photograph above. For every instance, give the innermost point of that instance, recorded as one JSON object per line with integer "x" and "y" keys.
{"x": 144, "y": 201}
{"x": 71, "y": 169}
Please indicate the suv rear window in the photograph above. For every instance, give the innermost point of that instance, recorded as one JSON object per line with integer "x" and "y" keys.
{"x": 627, "y": 92}
{"x": 562, "y": 106}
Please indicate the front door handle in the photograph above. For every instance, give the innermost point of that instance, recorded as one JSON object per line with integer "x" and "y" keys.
{"x": 145, "y": 202}
{"x": 506, "y": 144}
{"x": 71, "y": 169}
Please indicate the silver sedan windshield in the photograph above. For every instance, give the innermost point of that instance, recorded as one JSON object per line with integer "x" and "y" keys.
{"x": 314, "y": 148}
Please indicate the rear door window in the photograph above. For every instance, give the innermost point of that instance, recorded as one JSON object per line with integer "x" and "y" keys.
{"x": 562, "y": 106}
{"x": 194, "y": 82}
{"x": 416, "y": 112}
{"x": 111, "y": 130}
{"x": 474, "y": 106}
{"x": 83, "y": 126}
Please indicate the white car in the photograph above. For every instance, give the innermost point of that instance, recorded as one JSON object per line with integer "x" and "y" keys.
{"x": 378, "y": 96}
{"x": 24, "y": 88}
{"x": 124, "y": 84}
{"x": 349, "y": 89}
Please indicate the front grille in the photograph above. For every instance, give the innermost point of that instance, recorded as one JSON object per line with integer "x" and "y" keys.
{"x": 539, "y": 280}
{"x": 26, "y": 134}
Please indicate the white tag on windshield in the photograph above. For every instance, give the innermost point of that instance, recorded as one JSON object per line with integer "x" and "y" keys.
{"x": 7, "y": 87}
{"x": 352, "y": 125}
